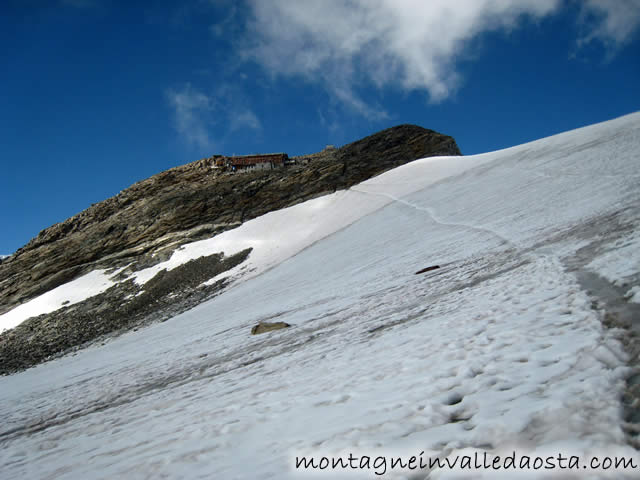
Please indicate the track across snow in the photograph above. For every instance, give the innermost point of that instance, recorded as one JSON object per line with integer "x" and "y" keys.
{"x": 438, "y": 220}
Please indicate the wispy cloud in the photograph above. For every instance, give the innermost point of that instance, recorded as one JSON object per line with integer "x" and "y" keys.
{"x": 228, "y": 24}
{"x": 406, "y": 44}
{"x": 192, "y": 112}
{"x": 198, "y": 114}
{"x": 245, "y": 119}
{"x": 612, "y": 22}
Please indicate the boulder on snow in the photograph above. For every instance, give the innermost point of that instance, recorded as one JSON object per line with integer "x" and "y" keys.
{"x": 264, "y": 327}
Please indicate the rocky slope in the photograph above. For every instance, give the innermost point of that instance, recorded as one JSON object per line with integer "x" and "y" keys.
{"x": 145, "y": 223}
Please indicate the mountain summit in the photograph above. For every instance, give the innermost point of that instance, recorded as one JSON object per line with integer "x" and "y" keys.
{"x": 144, "y": 224}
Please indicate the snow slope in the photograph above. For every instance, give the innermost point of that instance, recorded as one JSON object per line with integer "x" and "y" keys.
{"x": 274, "y": 237}
{"x": 499, "y": 349}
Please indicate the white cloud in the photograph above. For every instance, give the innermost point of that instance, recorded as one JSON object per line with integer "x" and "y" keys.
{"x": 245, "y": 119}
{"x": 198, "y": 114}
{"x": 192, "y": 110}
{"x": 408, "y": 44}
{"x": 613, "y": 22}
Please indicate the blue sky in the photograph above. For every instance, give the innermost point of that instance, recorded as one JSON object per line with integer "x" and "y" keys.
{"x": 99, "y": 94}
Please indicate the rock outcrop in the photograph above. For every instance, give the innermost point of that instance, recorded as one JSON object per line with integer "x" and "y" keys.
{"x": 146, "y": 222}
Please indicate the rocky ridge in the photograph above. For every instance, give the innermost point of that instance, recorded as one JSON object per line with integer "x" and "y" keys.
{"x": 146, "y": 222}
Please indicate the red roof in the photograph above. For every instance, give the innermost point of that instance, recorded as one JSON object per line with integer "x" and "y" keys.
{"x": 255, "y": 159}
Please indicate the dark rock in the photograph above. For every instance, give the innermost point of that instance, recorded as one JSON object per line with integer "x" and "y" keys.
{"x": 264, "y": 327}
{"x": 428, "y": 269}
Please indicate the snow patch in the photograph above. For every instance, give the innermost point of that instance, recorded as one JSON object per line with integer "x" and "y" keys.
{"x": 89, "y": 285}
